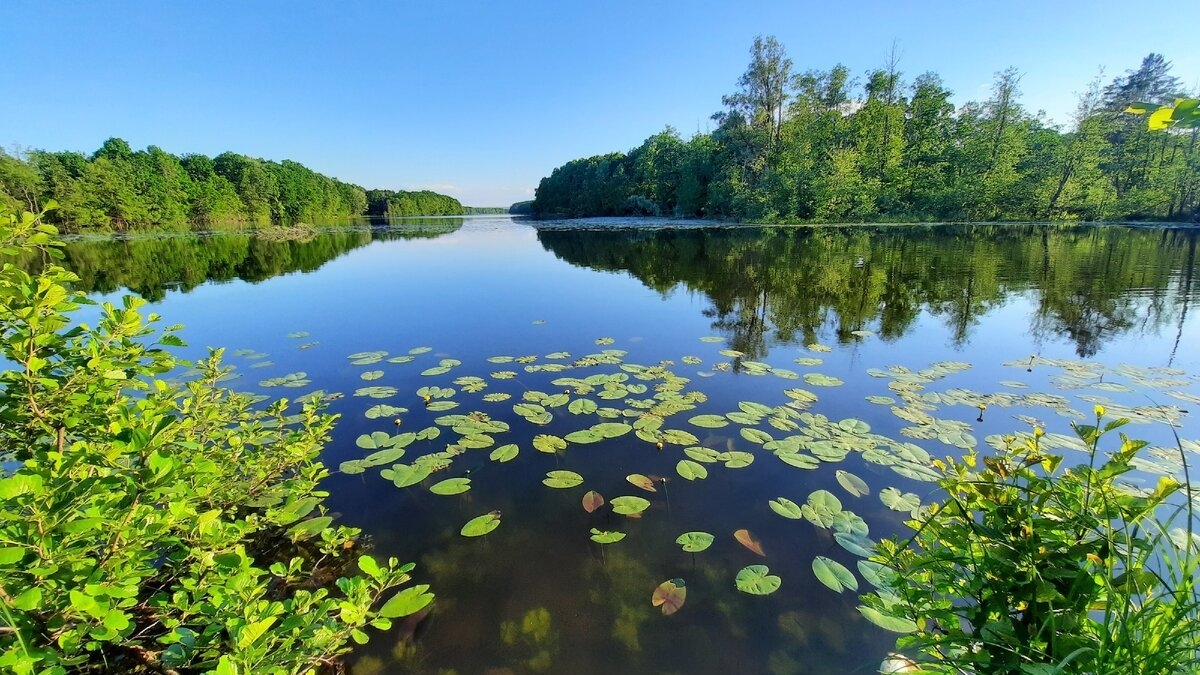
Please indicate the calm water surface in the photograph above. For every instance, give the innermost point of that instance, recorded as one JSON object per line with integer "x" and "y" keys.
{"x": 537, "y": 595}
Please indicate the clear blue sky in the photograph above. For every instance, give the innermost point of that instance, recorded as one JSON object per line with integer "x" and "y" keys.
{"x": 481, "y": 99}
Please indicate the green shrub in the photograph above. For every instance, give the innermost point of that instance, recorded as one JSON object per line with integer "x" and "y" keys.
{"x": 148, "y": 527}
{"x": 1028, "y": 568}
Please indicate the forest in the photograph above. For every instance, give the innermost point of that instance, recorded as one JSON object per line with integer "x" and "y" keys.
{"x": 823, "y": 146}
{"x": 117, "y": 188}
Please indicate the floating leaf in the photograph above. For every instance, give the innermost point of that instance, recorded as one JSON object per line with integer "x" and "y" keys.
{"x": 670, "y": 595}
{"x": 592, "y": 500}
{"x": 712, "y": 338}
{"x": 820, "y": 380}
{"x": 690, "y": 470}
{"x": 549, "y": 444}
{"x": 504, "y": 453}
{"x": 833, "y": 574}
{"x": 822, "y": 508}
{"x": 757, "y": 580}
{"x": 756, "y": 435}
{"x": 298, "y": 334}
{"x": 694, "y": 542}
{"x": 709, "y": 421}
{"x": 703, "y": 454}
{"x": 678, "y": 437}
{"x": 441, "y": 406}
{"x": 853, "y": 484}
{"x": 383, "y": 410}
{"x": 628, "y": 506}
{"x": 737, "y": 459}
{"x": 562, "y": 479}
{"x": 641, "y": 481}
{"x": 745, "y": 538}
{"x": 404, "y": 475}
{"x": 582, "y": 406}
{"x": 375, "y": 440}
{"x": 786, "y": 508}
{"x": 481, "y": 525}
{"x": 858, "y": 544}
{"x": 352, "y": 467}
{"x": 401, "y": 359}
{"x": 798, "y": 460}
{"x": 898, "y": 501}
{"x": 376, "y": 392}
{"x": 420, "y": 350}
{"x": 451, "y": 486}
{"x": 603, "y": 537}
{"x": 366, "y": 358}
{"x": 496, "y": 397}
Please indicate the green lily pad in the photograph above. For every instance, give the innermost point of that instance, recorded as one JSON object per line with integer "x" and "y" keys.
{"x": 375, "y": 440}
{"x": 629, "y": 505}
{"x": 496, "y": 397}
{"x": 786, "y": 508}
{"x": 603, "y": 537}
{"x": 549, "y": 444}
{"x": 420, "y": 350}
{"x": 694, "y": 542}
{"x": 481, "y": 525}
{"x": 504, "y": 453}
{"x": 702, "y": 454}
{"x": 822, "y": 508}
{"x": 562, "y": 479}
{"x": 736, "y": 459}
{"x": 582, "y": 406}
{"x": 853, "y": 484}
{"x": 898, "y": 501}
{"x": 833, "y": 574}
{"x": 757, "y": 580}
{"x": 403, "y": 475}
{"x": 383, "y": 410}
{"x": 756, "y": 435}
{"x": 798, "y": 460}
{"x": 451, "y": 486}
{"x": 690, "y": 470}
{"x": 709, "y": 421}
{"x": 376, "y": 392}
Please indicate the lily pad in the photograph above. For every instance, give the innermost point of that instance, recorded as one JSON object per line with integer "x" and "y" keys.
{"x": 694, "y": 542}
{"x": 383, "y": 410}
{"x": 745, "y": 538}
{"x": 670, "y": 595}
{"x": 481, "y": 525}
{"x": 709, "y": 421}
{"x": 628, "y": 505}
{"x": 451, "y": 486}
{"x": 592, "y": 500}
{"x": 562, "y": 479}
{"x": 549, "y": 444}
{"x": 644, "y": 482}
{"x": 603, "y": 537}
{"x": 898, "y": 501}
{"x": 690, "y": 470}
{"x": 833, "y": 574}
{"x": 786, "y": 508}
{"x": 757, "y": 580}
{"x": 853, "y": 484}
{"x": 504, "y": 453}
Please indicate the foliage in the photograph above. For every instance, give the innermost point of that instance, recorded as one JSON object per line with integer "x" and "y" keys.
{"x": 118, "y": 188}
{"x": 1031, "y": 568}
{"x": 150, "y": 527}
{"x": 1185, "y": 114}
{"x": 818, "y": 147}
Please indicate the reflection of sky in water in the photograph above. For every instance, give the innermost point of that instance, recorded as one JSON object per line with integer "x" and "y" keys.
{"x": 476, "y": 293}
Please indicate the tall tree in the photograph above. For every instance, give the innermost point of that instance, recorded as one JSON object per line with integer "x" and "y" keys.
{"x": 764, "y": 87}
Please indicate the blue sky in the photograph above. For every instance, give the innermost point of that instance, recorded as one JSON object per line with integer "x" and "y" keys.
{"x": 481, "y": 99}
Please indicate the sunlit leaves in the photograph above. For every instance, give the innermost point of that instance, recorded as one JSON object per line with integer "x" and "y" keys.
{"x": 853, "y": 484}
{"x": 757, "y": 580}
{"x": 709, "y": 421}
{"x": 549, "y": 444}
{"x": 694, "y": 542}
{"x": 562, "y": 479}
{"x": 786, "y": 508}
{"x": 644, "y": 482}
{"x": 481, "y": 525}
{"x": 690, "y": 470}
{"x": 898, "y": 501}
{"x": 833, "y": 574}
{"x": 504, "y": 453}
{"x": 376, "y": 392}
{"x": 629, "y": 505}
{"x": 451, "y": 486}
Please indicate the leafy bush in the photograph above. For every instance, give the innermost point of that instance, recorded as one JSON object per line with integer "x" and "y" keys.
{"x": 148, "y": 527}
{"x": 1032, "y": 569}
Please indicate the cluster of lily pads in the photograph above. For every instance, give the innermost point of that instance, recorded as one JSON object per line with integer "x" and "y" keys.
{"x": 611, "y": 399}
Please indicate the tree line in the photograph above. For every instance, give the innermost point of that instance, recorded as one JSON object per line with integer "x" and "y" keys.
{"x": 119, "y": 188}
{"x": 822, "y": 146}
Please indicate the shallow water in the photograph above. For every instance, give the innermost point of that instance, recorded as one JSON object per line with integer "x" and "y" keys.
{"x": 1058, "y": 304}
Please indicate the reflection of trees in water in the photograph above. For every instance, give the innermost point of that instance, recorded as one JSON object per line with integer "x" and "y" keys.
{"x": 149, "y": 265}
{"x": 782, "y": 285}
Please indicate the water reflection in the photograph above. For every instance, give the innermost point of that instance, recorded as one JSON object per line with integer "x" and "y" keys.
{"x": 150, "y": 265}
{"x": 780, "y": 285}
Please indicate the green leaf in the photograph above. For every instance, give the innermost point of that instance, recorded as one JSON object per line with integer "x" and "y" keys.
{"x": 603, "y": 537}
{"x": 629, "y": 505}
{"x": 757, "y": 580}
{"x": 10, "y": 555}
{"x": 504, "y": 453}
{"x": 786, "y": 508}
{"x": 451, "y": 486}
{"x": 549, "y": 444}
{"x": 709, "y": 421}
{"x": 690, "y": 470}
{"x": 853, "y": 484}
{"x": 481, "y": 525}
{"x": 756, "y": 435}
{"x": 897, "y": 501}
{"x": 408, "y": 601}
{"x": 562, "y": 479}
{"x": 694, "y": 542}
{"x": 833, "y": 574}
{"x": 886, "y": 621}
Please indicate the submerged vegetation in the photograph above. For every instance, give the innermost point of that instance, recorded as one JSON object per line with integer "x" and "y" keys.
{"x": 820, "y": 146}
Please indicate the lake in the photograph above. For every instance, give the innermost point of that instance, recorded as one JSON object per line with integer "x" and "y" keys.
{"x": 761, "y": 371}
